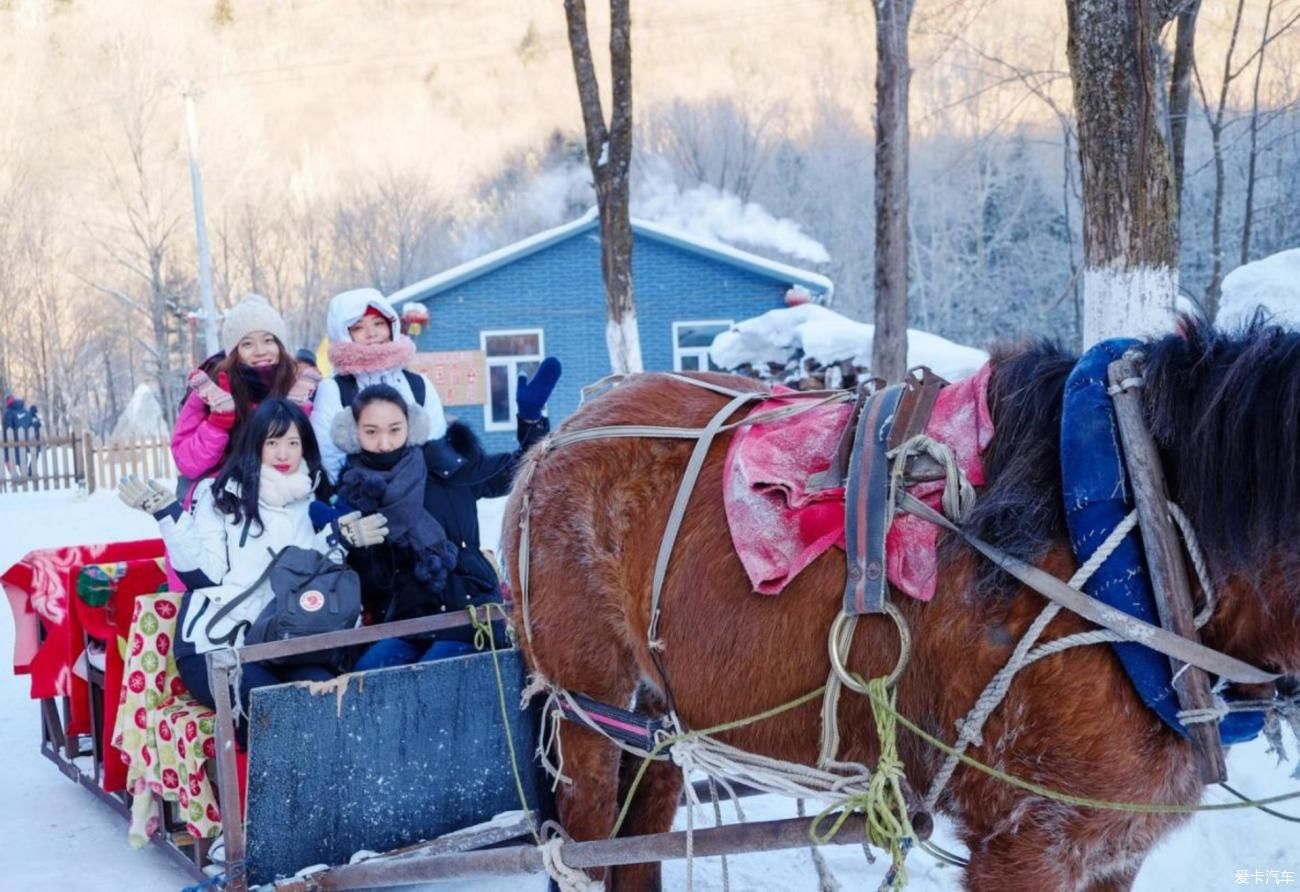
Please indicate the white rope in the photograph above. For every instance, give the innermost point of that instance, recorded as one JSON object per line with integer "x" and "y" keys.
{"x": 1206, "y": 714}
{"x": 971, "y": 728}
{"x": 721, "y": 760}
{"x": 1104, "y": 551}
{"x": 569, "y": 879}
{"x": 548, "y": 741}
{"x": 826, "y": 881}
{"x": 691, "y": 801}
{"x": 717, "y": 822}
{"x": 1198, "y": 562}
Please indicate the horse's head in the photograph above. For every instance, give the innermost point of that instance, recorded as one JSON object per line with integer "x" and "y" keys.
{"x": 1224, "y": 408}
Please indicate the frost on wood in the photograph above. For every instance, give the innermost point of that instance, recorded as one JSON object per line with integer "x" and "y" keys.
{"x": 624, "y": 343}
{"x": 1127, "y": 302}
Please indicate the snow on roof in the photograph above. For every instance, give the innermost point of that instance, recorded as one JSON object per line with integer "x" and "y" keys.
{"x": 479, "y": 266}
{"x": 828, "y": 337}
{"x": 1272, "y": 283}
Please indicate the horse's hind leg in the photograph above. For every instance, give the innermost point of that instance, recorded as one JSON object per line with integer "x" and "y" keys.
{"x": 654, "y": 805}
{"x": 588, "y": 806}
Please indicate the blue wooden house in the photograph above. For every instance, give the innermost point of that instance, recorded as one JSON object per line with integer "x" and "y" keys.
{"x": 544, "y": 296}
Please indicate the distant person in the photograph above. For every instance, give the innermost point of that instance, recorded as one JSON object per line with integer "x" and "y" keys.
{"x": 17, "y": 429}
{"x": 306, "y": 361}
{"x": 367, "y": 347}
{"x": 305, "y": 357}
{"x": 34, "y": 451}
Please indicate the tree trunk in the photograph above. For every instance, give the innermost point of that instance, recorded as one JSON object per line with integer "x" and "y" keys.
{"x": 1253, "y": 156}
{"x": 893, "y": 74}
{"x": 1180, "y": 92}
{"x": 1130, "y": 237}
{"x": 1214, "y": 290}
{"x": 609, "y": 152}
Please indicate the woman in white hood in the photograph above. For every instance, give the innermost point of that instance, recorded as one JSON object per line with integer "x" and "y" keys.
{"x": 367, "y": 347}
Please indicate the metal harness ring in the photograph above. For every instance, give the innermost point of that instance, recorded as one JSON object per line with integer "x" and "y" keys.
{"x": 840, "y": 640}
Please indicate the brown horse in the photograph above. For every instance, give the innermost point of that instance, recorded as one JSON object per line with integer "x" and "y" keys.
{"x": 1225, "y": 410}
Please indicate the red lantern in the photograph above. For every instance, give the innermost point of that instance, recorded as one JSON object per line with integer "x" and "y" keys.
{"x": 415, "y": 316}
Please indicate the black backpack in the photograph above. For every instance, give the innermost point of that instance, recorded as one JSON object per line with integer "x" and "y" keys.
{"x": 348, "y": 387}
{"x": 312, "y": 595}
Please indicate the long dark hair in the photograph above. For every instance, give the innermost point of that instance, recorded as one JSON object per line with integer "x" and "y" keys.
{"x": 244, "y": 465}
{"x": 286, "y": 370}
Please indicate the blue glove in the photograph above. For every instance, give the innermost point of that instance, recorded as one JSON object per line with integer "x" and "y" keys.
{"x": 532, "y": 395}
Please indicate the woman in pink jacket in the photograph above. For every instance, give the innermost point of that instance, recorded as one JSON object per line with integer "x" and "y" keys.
{"x": 257, "y": 366}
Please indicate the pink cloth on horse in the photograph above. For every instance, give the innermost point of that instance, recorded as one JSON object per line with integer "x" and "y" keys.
{"x": 778, "y": 528}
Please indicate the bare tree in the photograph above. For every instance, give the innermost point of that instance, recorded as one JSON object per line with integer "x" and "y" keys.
{"x": 1215, "y": 117}
{"x": 1180, "y": 89}
{"x": 609, "y": 152}
{"x": 1130, "y": 236}
{"x": 716, "y": 142}
{"x": 1268, "y": 34}
{"x": 138, "y": 243}
{"x": 387, "y": 231}
{"x": 893, "y": 77}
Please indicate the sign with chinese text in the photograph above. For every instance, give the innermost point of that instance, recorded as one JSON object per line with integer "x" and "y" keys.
{"x": 457, "y": 375}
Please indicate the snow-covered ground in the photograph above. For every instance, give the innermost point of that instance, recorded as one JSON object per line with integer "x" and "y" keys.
{"x": 55, "y": 835}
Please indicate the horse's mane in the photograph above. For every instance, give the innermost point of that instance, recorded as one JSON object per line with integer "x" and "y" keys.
{"x": 1224, "y": 407}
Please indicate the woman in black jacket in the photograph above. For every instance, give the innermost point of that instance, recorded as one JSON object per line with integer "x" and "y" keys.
{"x": 432, "y": 561}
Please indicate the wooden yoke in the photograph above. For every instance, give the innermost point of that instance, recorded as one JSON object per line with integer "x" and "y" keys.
{"x": 1164, "y": 559}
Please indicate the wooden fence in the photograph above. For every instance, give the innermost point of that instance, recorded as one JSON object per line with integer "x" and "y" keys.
{"x": 71, "y": 460}
{"x": 38, "y": 463}
{"x": 146, "y": 458}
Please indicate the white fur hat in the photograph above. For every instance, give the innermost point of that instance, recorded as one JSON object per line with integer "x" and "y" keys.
{"x": 253, "y": 313}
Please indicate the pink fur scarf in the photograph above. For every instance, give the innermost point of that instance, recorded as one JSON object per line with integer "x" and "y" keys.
{"x": 353, "y": 359}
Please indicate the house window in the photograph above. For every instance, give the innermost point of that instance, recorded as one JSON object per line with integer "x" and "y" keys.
{"x": 691, "y": 342}
{"x": 509, "y": 354}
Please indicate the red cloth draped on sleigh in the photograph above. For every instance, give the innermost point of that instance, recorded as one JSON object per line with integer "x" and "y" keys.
{"x": 42, "y": 593}
{"x": 778, "y": 527}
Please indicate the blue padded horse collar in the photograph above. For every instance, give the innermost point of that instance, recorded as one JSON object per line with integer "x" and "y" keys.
{"x": 1097, "y": 498}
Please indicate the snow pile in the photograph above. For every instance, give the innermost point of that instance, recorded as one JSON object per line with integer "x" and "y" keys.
{"x": 708, "y": 214}
{"x": 142, "y": 417}
{"x": 826, "y": 337}
{"x": 1272, "y": 284}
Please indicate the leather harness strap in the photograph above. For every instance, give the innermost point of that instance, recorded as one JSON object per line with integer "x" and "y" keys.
{"x": 867, "y": 509}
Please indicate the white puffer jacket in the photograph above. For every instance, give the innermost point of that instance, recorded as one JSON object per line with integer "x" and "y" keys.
{"x": 344, "y": 311}
{"x": 207, "y": 546}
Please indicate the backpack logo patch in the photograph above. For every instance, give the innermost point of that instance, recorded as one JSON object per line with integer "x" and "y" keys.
{"x": 311, "y": 601}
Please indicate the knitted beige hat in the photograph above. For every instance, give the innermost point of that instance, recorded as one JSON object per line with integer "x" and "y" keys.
{"x": 253, "y": 313}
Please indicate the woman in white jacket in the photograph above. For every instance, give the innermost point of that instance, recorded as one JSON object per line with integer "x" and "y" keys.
{"x": 367, "y": 347}
{"x": 257, "y": 505}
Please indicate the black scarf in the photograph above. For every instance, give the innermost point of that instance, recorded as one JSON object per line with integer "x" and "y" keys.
{"x": 397, "y": 492}
{"x": 382, "y": 461}
{"x": 257, "y": 380}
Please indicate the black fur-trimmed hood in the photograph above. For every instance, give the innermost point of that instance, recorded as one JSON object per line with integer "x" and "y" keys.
{"x": 461, "y": 447}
